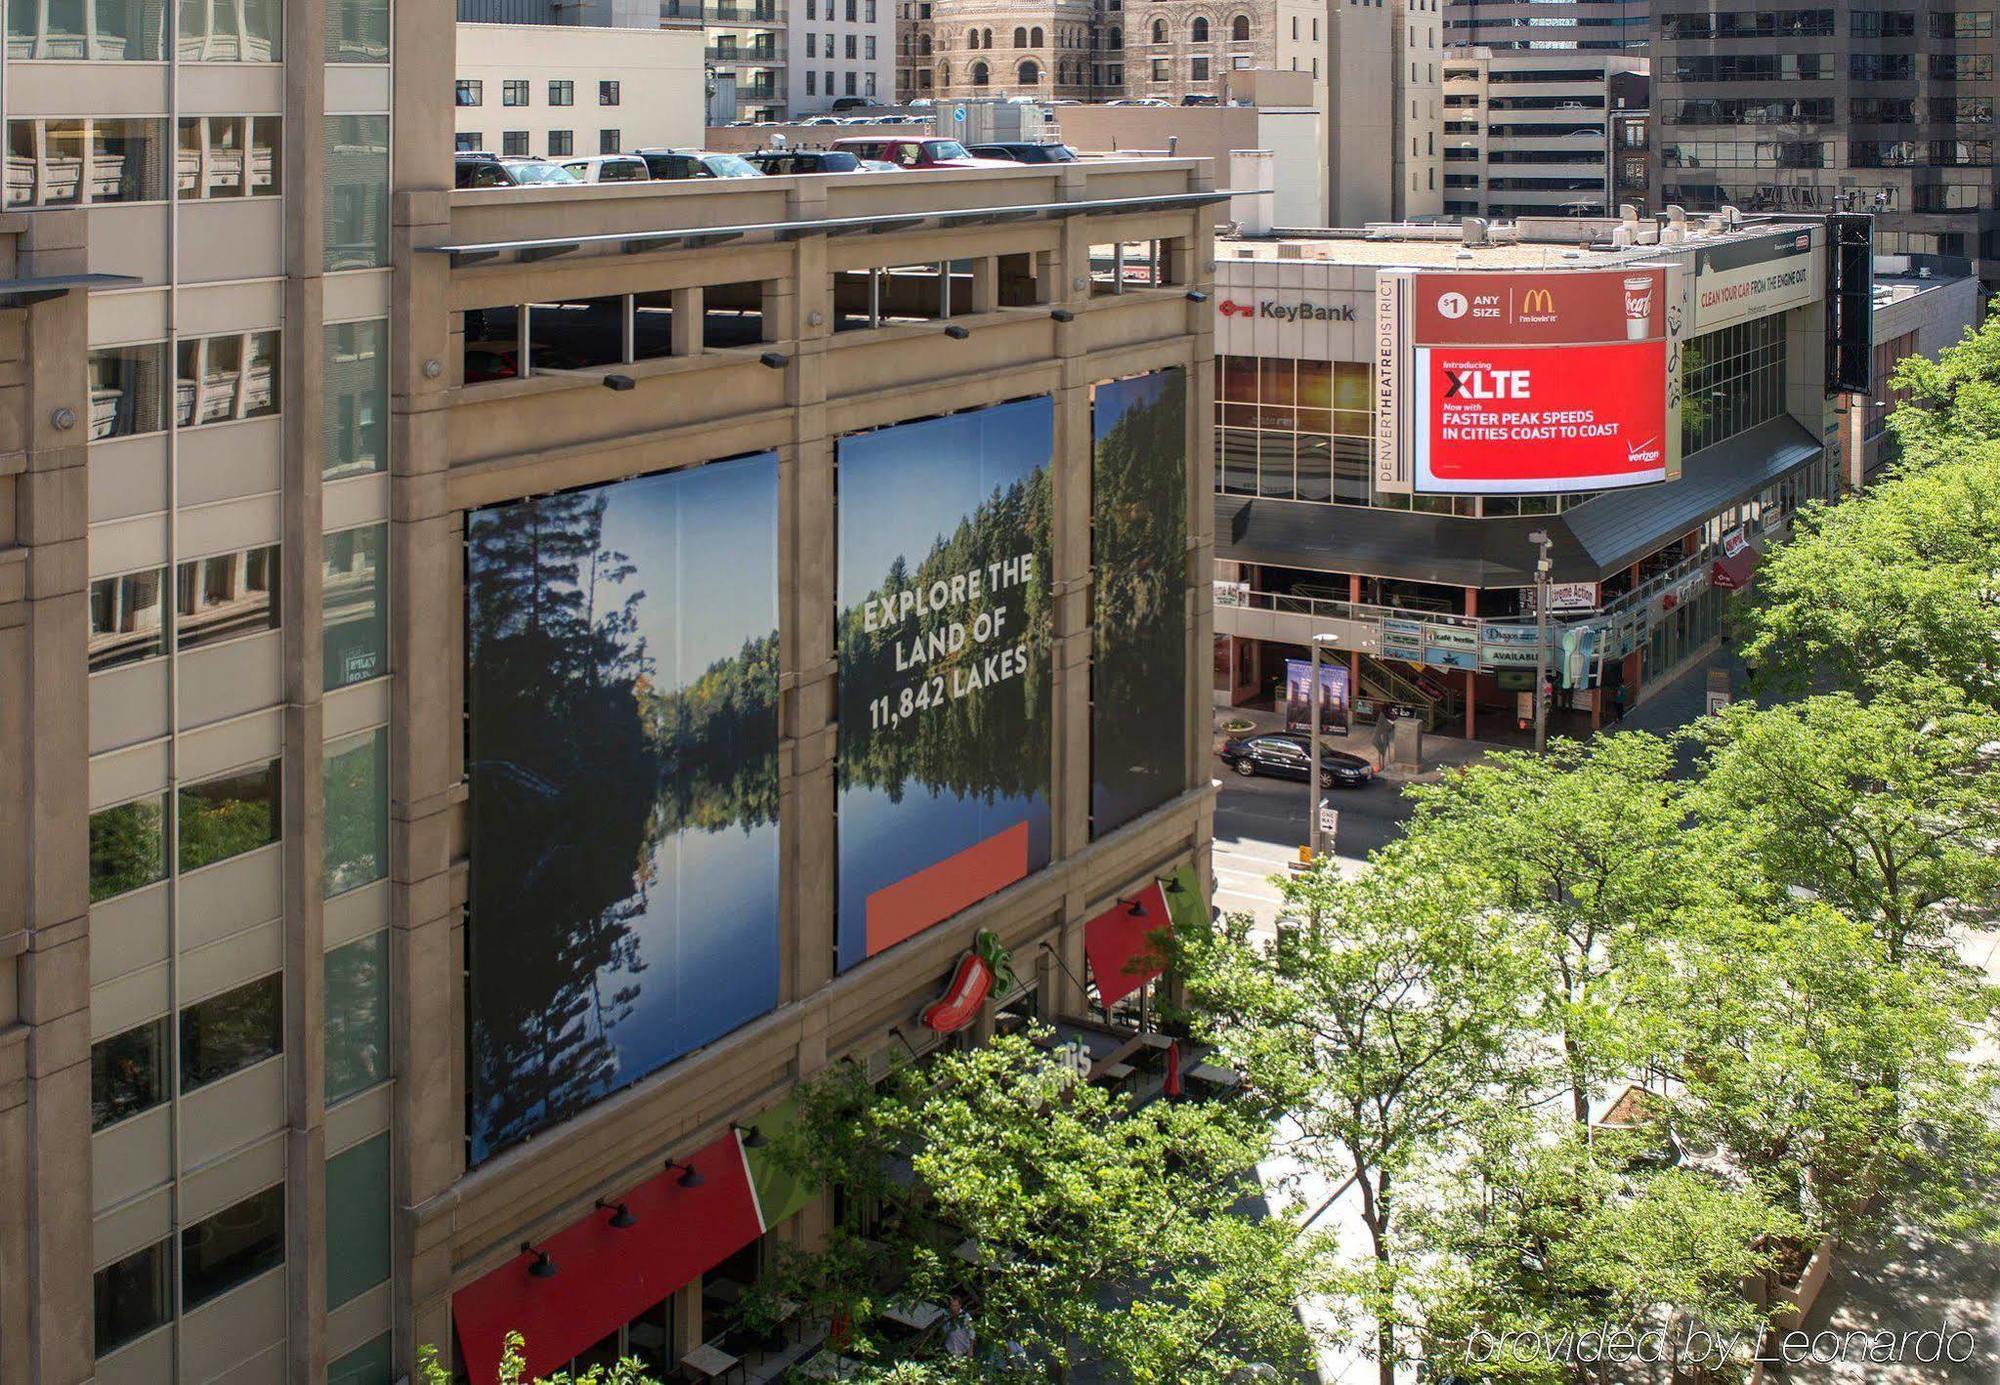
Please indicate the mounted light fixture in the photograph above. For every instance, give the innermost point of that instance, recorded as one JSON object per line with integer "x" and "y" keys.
{"x": 776, "y": 360}
{"x": 956, "y": 332}
{"x": 1062, "y": 314}
{"x": 620, "y": 383}
{"x": 753, "y": 1138}
{"x": 690, "y": 1175}
{"x": 1172, "y": 885}
{"x": 1196, "y": 296}
{"x": 543, "y": 1268}
{"x": 1133, "y": 907}
{"x": 621, "y": 1215}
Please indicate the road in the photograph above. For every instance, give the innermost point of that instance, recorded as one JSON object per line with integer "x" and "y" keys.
{"x": 1260, "y": 824}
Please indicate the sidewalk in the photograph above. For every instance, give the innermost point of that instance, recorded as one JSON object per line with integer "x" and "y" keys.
{"x": 1371, "y": 743}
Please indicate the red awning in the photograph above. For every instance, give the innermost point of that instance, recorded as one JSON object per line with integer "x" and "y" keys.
{"x": 1731, "y": 569}
{"x": 1116, "y": 942}
{"x": 605, "y": 1276}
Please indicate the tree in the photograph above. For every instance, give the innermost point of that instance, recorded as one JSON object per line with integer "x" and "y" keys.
{"x": 1390, "y": 1010}
{"x": 514, "y": 1371}
{"x": 1952, "y": 403}
{"x": 1884, "y": 809}
{"x": 1888, "y": 586}
{"x": 1105, "y": 1235}
{"x": 1584, "y": 851}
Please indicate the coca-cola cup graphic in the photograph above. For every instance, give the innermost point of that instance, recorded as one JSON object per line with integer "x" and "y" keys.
{"x": 1638, "y": 307}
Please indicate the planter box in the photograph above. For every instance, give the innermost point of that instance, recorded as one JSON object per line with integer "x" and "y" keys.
{"x": 1793, "y": 1301}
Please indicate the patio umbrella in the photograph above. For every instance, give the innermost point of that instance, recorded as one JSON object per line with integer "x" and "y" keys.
{"x": 1172, "y": 1086}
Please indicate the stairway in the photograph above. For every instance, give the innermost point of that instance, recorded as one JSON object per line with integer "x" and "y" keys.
{"x": 1385, "y": 683}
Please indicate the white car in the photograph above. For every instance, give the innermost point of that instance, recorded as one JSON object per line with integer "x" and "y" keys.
{"x": 609, "y": 168}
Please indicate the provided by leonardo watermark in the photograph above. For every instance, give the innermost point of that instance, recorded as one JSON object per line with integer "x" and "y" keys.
{"x": 1695, "y": 1346}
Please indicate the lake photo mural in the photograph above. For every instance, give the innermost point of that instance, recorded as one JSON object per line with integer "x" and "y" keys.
{"x": 944, "y": 623}
{"x": 622, "y": 681}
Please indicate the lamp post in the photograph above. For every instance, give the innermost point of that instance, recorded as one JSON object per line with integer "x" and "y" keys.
{"x": 1540, "y": 538}
{"x": 1314, "y": 700}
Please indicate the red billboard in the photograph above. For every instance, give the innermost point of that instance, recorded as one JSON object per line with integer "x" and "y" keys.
{"x": 1527, "y": 419}
{"x": 1533, "y": 382}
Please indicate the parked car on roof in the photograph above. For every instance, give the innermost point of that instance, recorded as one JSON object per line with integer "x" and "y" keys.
{"x": 850, "y": 103}
{"x": 1139, "y": 101}
{"x": 696, "y": 163}
{"x": 912, "y": 151}
{"x": 781, "y": 162}
{"x": 609, "y": 168}
{"x": 479, "y": 169}
{"x": 1023, "y": 152}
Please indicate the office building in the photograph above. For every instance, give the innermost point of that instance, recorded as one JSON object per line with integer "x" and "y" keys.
{"x": 558, "y": 92}
{"x": 1541, "y": 26}
{"x": 842, "y": 50}
{"x": 1881, "y": 111}
{"x": 1378, "y": 482}
{"x": 1540, "y": 134}
{"x": 360, "y": 925}
{"x": 1923, "y": 304}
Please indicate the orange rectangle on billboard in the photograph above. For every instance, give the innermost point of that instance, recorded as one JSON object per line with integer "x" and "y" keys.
{"x": 938, "y": 891}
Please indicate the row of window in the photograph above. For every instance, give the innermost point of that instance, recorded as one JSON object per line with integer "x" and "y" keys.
{"x": 514, "y": 92}
{"x": 218, "y": 379}
{"x": 862, "y": 12}
{"x": 864, "y": 48}
{"x": 868, "y": 85}
{"x": 215, "y": 819}
{"x": 196, "y": 31}
{"x": 135, "y": 1295}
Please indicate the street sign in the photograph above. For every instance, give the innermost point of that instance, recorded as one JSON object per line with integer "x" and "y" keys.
{"x": 958, "y": 115}
{"x": 1329, "y": 824}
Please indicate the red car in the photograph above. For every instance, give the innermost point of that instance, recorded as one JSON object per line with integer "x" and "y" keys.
{"x": 913, "y": 151}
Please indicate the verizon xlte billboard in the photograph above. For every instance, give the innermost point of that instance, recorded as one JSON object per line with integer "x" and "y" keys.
{"x": 1528, "y": 383}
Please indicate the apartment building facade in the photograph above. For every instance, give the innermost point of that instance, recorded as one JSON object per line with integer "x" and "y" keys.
{"x": 562, "y": 91}
{"x": 269, "y": 436}
{"x": 1532, "y": 133}
{"x": 1886, "y": 111}
{"x": 841, "y": 50}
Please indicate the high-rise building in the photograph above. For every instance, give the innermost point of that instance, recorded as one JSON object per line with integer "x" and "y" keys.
{"x": 1882, "y": 111}
{"x": 1540, "y": 134}
{"x": 436, "y": 789}
{"x": 1506, "y": 25}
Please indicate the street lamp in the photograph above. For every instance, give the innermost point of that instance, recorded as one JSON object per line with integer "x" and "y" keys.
{"x": 1313, "y": 701}
{"x": 1540, "y": 538}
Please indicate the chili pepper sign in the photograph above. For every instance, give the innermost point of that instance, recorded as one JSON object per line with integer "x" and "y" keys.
{"x": 982, "y": 972}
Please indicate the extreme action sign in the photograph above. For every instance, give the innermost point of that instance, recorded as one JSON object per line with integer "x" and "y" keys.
{"x": 1525, "y": 382}
{"x": 1753, "y": 278}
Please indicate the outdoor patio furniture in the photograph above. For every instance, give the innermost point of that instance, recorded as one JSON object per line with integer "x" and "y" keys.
{"x": 710, "y": 1362}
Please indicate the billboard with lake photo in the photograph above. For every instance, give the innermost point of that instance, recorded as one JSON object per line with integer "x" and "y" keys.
{"x": 622, "y": 676}
{"x": 943, "y": 609}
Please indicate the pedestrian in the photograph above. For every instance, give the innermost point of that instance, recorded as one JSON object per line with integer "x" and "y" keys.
{"x": 1617, "y": 706}
{"x": 959, "y": 1338}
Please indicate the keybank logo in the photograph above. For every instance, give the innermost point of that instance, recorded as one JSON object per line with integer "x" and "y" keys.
{"x": 1288, "y": 312}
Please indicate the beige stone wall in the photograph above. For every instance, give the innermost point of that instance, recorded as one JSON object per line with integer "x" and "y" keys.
{"x": 1076, "y": 43}
{"x": 467, "y": 446}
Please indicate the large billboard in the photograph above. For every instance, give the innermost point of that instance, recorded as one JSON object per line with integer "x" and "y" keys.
{"x": 1333, "y": 696}
{"x": 944, "y": 610}
{"x": 1524, "y": 383}
{"x": 622, "y": 679}
{"x": 1742, "y": 279}
{"x": 1138, "y": 544}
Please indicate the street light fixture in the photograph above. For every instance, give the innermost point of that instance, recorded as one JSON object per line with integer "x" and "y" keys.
{"x": 1543, "y": 566}
{"x": 1314, "y": 701}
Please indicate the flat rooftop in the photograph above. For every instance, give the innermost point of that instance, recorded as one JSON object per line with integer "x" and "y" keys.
{"x": 1552, "y": 244}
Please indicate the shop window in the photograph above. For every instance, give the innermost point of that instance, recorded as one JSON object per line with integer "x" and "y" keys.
{"x": 357, "y": 1220}
{"x": 229, "y": 1032}
{"x": 225, "y": 595}
{"x": 357, "y": 1016}
{"x": 229, "y": 815}
{"x": 354, "y": 597}
{"x": 131, "y": 1297}
{"x": 355, "y": 430}
{"x": 235, "y": 1245}
{"x": 226, "y": 378}
{"x": 126, "y": 394}
{"x": 732, "y": 314}
{"x": 126, "y": 619}
{"x": 356, "y": 839}
{"x": 128, "y": 847}
{"x": 128, "y": 1073}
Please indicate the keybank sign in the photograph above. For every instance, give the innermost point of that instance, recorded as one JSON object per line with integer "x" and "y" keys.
{"x": 1287, "y": 312}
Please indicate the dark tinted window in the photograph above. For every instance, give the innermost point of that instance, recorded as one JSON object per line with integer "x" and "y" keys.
{"x": 235, "y": 1244}
{"x": 229, "y": 1032}
{"x": 128, "y": 1073}
{"x": 130, "y": 1297}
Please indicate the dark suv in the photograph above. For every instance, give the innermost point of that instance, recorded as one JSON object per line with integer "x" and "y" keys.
{"x": 479, "y": 169}
{"x": 778, "y": 162}
{"x": 695, "y": 163}
{"x": 1025, "y": 153}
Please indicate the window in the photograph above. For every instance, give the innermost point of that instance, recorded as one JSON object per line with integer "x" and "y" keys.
{"x": 851, "y": 46}
{"x": 229, "y": 815}
{"x": 128, "y": 1073}
{"x": 471, "y": 92}
{"x": 1198, "y": 30}
{"x": 357, "y": 1016}
{"x": 230, "y": 594}
{"x": 561, "y": 142}
{"x": 236, "y": 1244}
{"x": 226, "y": 378}
{"x": 107, "y": 31}
{"x": 1159, "y": 31}
{"x": 467, "y": 141}
{"x": 514, "y": 92}
{"x": 848, "y": 82}
{"x": 812, "y": 51}
{"x": 128, "y": 847}
{"x": 514, "y": 143}
{"x": 229, "y": 1032}
{"x": 371, "y": 1363}
{"x": 225, "y": 33}
{"x": 562, "y": 93}
{"x": 230, "y": 156}
{"x": 608, "y": 141}
{"x": 357, "y": 31}
{"x": 126, "y": 619}
{"x": 812, "y": 79}
{"x": 354, "y": 593}
{"x": 1239, "y": 29}
{"x": 1028, "y": 74}
{"x": 68, "y": 163}
{"x": 1163, "y": 69}
{"x": 131, "y": 1297}
{"x": 607, "y": 95}
{"x": 356, "y": 842}
{"x": 357, "y": 1220}
{"x": 1198, "y": 69}
{"x": 356, "y": 390}
{"x": 357, "y": 191}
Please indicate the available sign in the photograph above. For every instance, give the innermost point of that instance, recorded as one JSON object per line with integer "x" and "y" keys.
{"x": 1753, "y": 278}
{"x": 1524, "y": 383}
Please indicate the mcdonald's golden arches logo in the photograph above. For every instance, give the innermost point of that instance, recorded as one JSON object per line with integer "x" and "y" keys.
{"x": 1538, "y": 303}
